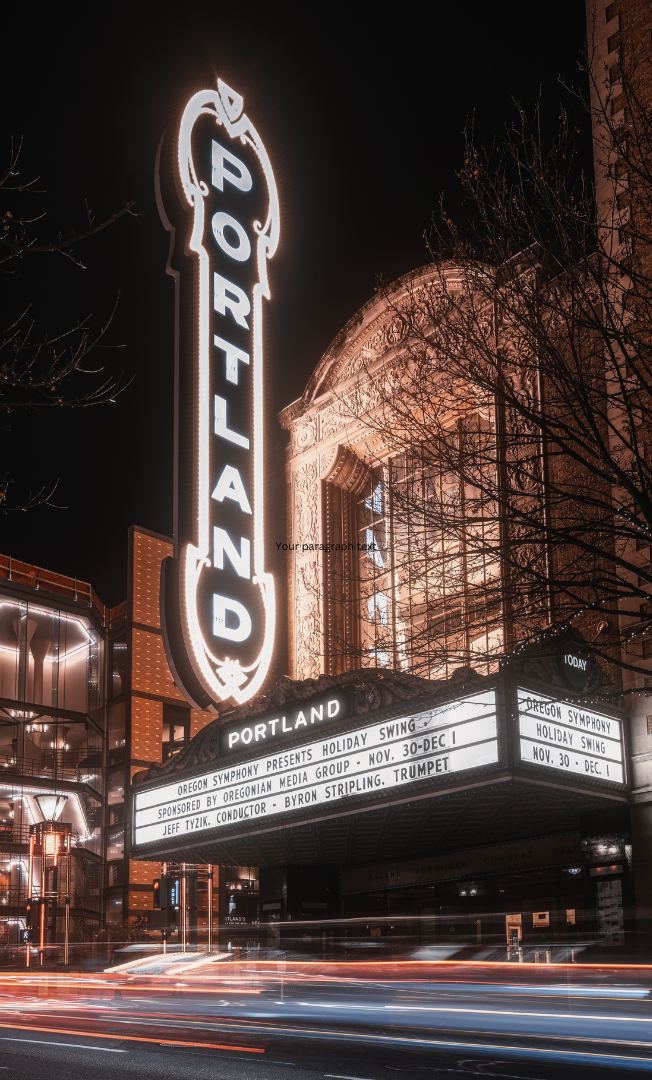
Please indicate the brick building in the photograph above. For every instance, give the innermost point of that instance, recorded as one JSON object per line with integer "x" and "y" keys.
{"x": 148, "y": 719}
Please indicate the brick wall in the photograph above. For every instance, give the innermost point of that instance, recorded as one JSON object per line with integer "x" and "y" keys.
{"x": 152, "y": 684}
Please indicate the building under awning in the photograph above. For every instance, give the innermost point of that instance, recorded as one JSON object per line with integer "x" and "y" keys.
{"x": 369, "y": 766}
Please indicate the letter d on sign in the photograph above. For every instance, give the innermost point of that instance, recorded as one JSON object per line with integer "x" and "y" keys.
{"x": 222, "y": 604}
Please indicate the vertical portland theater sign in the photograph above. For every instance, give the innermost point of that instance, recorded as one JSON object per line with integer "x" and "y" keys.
{"x": 217, "y": 197}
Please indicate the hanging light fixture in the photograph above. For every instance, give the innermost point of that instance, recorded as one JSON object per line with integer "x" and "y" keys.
{"x": 51, "y": 806}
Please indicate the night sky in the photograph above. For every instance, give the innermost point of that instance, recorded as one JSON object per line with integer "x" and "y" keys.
{"x": 362, "y": 109}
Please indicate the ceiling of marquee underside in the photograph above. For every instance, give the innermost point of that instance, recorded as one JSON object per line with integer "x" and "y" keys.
{"x": 501, "y": 812}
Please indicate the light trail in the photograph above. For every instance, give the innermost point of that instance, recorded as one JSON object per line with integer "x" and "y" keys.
{"x": 133, "y": 1038}
{"x": 74, "y": 1046}
{"x": 540, "y": 1053}
{"x": 506, "y": 1012}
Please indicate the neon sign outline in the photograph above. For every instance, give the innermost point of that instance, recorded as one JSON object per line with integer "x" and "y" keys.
{"x": 220, "y": 676}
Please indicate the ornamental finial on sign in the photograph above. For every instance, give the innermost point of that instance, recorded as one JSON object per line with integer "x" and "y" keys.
{"x": 233, "y": 103}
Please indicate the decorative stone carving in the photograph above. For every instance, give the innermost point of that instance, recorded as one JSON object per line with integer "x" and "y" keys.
{"x": 395, "y": 330}
{"x": 309, "y": 577}
{"x": 306, "y": 502}
{"x": 305, "y": 436}
{"x": 332, "y": 420}
{"x": 306, "y": 573}
{"x": 309, "y": 649}
{"x": 347, "y": 471}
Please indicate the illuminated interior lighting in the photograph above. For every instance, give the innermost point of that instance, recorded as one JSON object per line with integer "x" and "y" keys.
{"x": 50, "y": 613}
{"x": 51, "y": 806}
{"x": 223, "y": 677}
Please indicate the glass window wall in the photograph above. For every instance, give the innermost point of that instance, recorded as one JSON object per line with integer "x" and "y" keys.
{"x": 48, "y": 657}
{"x": 116, "y": 796}
{"x": 118, "y": 666}
{"x": 117, "y": 738}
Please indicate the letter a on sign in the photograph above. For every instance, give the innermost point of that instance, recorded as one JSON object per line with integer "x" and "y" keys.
{"x": 217, "y": 197}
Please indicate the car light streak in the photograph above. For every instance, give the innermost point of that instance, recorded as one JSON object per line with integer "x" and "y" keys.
{"x": 73, "y": 1046}
{"x": 507, "y": 1012}
{"x": 134, "y": 1038}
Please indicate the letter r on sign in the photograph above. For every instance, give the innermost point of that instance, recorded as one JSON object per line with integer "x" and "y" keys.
{"x": 227, "y": 295}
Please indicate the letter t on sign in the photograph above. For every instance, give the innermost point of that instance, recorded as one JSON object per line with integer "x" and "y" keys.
{"x": 233, "y": 356}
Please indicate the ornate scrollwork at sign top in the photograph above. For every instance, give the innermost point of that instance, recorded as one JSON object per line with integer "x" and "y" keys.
{"x": 202, "y": 750}
{"x": 372, "y": 691}
{"x": 379, "y": 692}
{"x": 346, "y": 470}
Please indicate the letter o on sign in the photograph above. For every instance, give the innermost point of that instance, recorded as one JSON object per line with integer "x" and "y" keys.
{"x": 224, "y": 221}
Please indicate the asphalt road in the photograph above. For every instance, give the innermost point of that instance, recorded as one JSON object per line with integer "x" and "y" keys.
{"x": 323, "y": 1030}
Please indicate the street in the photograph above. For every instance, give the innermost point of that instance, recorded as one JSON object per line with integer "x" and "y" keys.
{"x": 253, "y": 1022}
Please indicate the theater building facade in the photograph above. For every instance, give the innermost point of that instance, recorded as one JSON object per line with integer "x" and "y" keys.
{"x": 473, "y": 804}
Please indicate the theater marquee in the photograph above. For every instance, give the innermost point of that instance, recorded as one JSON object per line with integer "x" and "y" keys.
{"x": 221, "y": 207}
{"x": 569, "y": 738}
{"x": 373, "y": 760}
{"x": 319, "y": 758}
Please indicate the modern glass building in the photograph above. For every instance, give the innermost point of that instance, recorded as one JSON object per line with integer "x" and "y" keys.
{"x": 53, "y": 633}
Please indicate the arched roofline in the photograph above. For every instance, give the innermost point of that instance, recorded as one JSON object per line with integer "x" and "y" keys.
{"x": 322, "y": 378}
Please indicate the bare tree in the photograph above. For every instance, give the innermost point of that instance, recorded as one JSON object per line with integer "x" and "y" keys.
{"x": 512, "y": 430}
{"x": 41, "y": 368}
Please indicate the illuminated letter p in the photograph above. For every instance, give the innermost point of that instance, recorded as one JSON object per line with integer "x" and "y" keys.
{"x": 240, "y": 179}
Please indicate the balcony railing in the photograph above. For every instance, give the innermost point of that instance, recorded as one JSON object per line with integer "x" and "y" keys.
{"x": 52, "y": 766}
{"x": 14, "y": 897}
{"x": 11, "y": 833}
{"x": 26, "y": 574}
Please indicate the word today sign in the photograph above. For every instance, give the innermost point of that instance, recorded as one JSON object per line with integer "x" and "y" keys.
{"x": 382, "y": 757}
